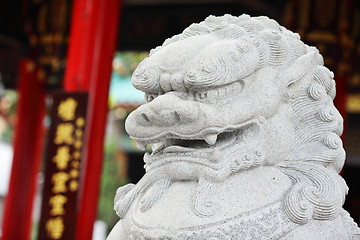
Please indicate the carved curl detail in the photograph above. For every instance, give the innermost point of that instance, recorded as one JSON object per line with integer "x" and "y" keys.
{"x": 317, "y": 192}
{"x": 147, "y": 79}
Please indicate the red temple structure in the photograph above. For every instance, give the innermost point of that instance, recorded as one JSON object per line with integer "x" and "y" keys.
{"x": 92, "y": 45}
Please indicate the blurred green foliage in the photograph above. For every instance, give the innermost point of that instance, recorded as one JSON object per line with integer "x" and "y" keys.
{"x": 110, "y": 181}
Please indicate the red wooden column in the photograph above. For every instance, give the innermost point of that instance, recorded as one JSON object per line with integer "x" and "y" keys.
{"x": 27, "y": 154}
{"x": 93, "y": 34}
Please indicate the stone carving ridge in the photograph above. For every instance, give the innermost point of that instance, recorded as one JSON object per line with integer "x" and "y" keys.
{"x": 245, "y": 139}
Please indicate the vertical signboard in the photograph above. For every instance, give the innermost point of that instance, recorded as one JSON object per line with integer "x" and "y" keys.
{"x": 62, "y": 166}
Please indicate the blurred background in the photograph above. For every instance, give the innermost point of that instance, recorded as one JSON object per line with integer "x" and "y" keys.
{"x": 81, "y": 53}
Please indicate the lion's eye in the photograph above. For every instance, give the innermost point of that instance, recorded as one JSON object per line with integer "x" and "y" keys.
{"x": 220, "y": 94}
{"x": 150, "y": 96}
{"x": 207, "y": 96}
{"x": 200, "y": 95}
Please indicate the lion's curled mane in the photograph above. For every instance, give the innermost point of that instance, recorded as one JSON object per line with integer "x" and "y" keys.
{"x": 317, "y": 154}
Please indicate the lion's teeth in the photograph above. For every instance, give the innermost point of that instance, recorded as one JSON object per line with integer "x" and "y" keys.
{"x": 211, "y": 139}
{"x": 157, "y": 146}
{"x": 141, "y": 145}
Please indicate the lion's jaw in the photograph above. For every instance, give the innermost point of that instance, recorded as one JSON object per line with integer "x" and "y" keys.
{"x": 194, "y": 159}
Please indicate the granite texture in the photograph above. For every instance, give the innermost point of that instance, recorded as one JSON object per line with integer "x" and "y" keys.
{"x": 245, "y": 139}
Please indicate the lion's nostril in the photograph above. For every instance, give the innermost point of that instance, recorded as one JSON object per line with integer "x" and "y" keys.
{"x": 177, "y": 116}
{"x": 145, "y": 117}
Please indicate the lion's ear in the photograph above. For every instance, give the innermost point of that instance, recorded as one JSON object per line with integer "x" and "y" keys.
{"x": 296, "y": 70}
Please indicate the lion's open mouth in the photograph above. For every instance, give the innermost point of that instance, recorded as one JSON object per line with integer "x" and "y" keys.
{"x": 173, "y": 145}
{"x": 206, "y": 152}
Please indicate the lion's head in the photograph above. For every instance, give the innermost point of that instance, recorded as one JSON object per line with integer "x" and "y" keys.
{"x": 232, "y": 93}
{"x": 227, "y": 74}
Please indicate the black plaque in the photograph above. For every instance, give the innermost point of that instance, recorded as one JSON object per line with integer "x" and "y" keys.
{"x": 62, "y": 166}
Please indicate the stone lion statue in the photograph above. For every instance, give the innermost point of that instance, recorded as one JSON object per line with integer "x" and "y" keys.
{"x": 245, "y": 139}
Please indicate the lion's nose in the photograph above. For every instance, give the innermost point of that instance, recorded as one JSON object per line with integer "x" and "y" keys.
{"x": 158, "y": 117}
{"x": 166, "y": 111}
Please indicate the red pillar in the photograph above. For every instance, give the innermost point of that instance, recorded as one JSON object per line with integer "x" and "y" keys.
{"x": 91, "y": 50}
{"x": 27, "y": 149}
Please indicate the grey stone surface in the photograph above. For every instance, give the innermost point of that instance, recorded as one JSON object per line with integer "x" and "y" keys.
{"x": 244, "y": 135}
